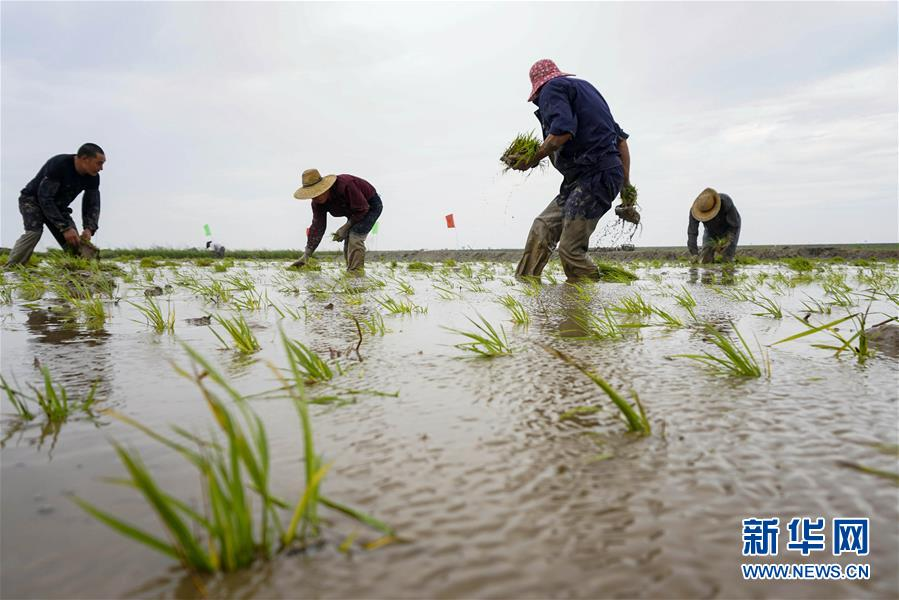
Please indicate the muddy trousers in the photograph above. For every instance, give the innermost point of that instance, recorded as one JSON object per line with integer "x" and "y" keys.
{"x": 34, "y": 228}
{"x": 354, "y": 244}
{"x": 573, "y": 238}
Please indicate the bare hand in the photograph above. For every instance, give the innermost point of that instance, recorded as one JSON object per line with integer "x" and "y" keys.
{"x": 86, "y": 235}
{"x": 71, "y": 236}
{"x": 523, "y": 165}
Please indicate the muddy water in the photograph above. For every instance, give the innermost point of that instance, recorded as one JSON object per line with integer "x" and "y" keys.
{"x": 472, "y": 462}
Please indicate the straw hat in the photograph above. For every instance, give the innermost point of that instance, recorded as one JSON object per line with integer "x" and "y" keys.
{"x": 314, "y": 184}
{"x": 706, "y": 205}
{"x": 541, "y": 72}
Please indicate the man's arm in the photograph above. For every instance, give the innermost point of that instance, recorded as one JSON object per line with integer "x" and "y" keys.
{"x": 90, "y": 212}
{"x": 625, "y": 159}
{"x": 316, "y": 230}
{"x": 692, "y": 234}
{"x": 551, "y": 144}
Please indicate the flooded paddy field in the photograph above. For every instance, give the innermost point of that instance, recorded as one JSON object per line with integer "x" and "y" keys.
{"x": 510, "y": 475}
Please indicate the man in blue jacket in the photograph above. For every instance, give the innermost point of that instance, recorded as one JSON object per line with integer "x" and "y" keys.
{"x": 46, "y": 199}
{"x": 586, "y": 145}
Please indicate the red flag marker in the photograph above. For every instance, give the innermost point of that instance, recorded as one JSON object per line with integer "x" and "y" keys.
{"x": 450, "y": 221}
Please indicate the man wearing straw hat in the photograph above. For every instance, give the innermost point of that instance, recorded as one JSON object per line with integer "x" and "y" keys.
{"x": 342, "y": 196}
{"x": 586, "y": 145}
{"x": 721, "y": 226}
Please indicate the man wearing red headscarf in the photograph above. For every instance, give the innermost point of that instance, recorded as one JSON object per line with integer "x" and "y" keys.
{"x": 586, "y": 145}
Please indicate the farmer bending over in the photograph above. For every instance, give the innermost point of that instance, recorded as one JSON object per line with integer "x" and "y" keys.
{"x": 342, "y": 196}
{"x": 46, "y": 198}
{"x": 722, "y": 226}
{"x": 587, "y": 146}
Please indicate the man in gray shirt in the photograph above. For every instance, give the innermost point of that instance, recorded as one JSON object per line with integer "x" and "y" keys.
{"x": 722, "y": 226}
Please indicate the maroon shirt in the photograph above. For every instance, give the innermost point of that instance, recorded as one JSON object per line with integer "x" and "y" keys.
{"x": 349, "y": 198}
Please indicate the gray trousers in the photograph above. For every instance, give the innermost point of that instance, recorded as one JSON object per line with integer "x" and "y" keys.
{"x": 34, "y": 221}
{"x": 573, "y": 238}
{"x": 354, "y": 250}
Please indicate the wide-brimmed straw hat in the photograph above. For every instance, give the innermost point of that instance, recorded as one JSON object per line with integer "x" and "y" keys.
{"x": 541, "y": 72}
{"x": 706, "y": 205}
{"x": 314, "y": 184}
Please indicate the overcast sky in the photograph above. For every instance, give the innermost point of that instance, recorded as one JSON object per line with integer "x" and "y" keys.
{"x": 209, "y": 112}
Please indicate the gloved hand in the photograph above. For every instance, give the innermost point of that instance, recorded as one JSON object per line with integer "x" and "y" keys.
{"x": 341, "y": 233}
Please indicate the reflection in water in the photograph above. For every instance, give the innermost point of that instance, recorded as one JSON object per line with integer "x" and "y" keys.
{"x": 723, "y": 275}
{"x": 76, "y": 357}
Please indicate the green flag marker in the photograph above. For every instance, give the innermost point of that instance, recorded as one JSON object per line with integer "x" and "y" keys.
{"x": 207, "y": 230}
{"x": 374, "y": 228}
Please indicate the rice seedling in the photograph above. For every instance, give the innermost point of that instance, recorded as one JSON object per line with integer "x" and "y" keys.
{"x": 250, "y": 300}
{"x": 668, "y": 320}
{"x": 52, "y": 400}
{"x": 516, "y": 309}
{"x": 30, "y": 288}
{"x": 815, "y": 306}
{"x": 596, "y": 327}
{"x": 521, "y": 151}
{"x": 856, "y": 344}
{"x": 878, "y": 279}
{"x": 241, "y": 282}
{"x": 244, "y": 339}
{"x": 888, "y": 475}
{"x": 841, "y": 294}
{"x": 532, "y": 286}
{"x": 400, "y": 308}
{"x": 735, "y": 359}
{"x": 634, "y": 305}
{"x": 486, "y": 342}
{"x": 153, "y": 315}
{"x": 225, "y": 536}
{"x": 420, "y": 266}
{"x": 686, "y": 301}
{"x": 405, "y": 288}
{"x": 769, "y": 307}
{"x": 579, "y": 411}
{"x": 473, "y": 286}
{"x": 308, "y": 363}
{"x": 94, "y": 311}
{"x": 583, "y": 290}
{"x": 374, "y": 324}
{"x": 6, "y": 294}
{"x": 614, "y": 274}
{"x": 799, "y": 263}
{"x": 636, "y": 419}
{"x": 446, "y": 291}
{"x": 149, "y": 262}
{"x": 286, "y": 283}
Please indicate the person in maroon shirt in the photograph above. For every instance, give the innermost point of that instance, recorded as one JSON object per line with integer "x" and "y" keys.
{"x": 342, "y": 196}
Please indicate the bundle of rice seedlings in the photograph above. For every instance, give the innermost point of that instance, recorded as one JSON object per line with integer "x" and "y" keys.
{"x": 627, "y": 210}
{"x": 521, "y": 151}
